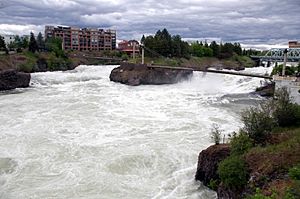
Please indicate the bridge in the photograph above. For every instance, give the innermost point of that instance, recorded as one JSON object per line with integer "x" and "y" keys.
{"x": 212, "y": 71}
{"x": 277, "y": 55}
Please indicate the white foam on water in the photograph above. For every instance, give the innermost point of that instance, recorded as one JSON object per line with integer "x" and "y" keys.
{"x": 75, "y": 134}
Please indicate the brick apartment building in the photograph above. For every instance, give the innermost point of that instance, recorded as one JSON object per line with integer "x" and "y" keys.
{"x": 83, "y": 39}
{"x": 294, "y": 44}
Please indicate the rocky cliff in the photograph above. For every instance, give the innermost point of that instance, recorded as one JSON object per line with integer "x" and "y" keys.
{"x": 208, "y": 161}
{"x": 267, "y": 166}
{"x": 137, "y": 74}
{"x": 11, "y": 79}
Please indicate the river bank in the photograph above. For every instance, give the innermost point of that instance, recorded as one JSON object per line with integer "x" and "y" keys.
{"x": 267, "y": 167}
{"x": 47, "y": 61}
{"x": 261, "y": 160}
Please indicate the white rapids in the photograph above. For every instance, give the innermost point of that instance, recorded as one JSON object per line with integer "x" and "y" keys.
{"x": 75, "y": 134}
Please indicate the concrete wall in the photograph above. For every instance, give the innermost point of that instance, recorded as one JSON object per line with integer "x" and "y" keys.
{"x": 292, "y": 84}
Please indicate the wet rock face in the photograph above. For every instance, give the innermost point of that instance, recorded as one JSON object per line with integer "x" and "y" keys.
{"x": 208, "y": 161}
{"x": 137, "y": 74}
{"x": 266, "y": 90}
{"x": 11, "y": 79}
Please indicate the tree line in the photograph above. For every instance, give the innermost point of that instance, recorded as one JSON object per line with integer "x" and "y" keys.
{"x": 33, "y": 44}
{"x": 164, "y": 44}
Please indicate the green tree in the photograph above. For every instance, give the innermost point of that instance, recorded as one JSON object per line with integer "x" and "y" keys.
{"x": 233, "y": 172}
{"x": 240, "y": 143}
{"x": 226, "y": 51}
{"x": 258, "y": 122}
{"x": 40, "y": 42}
{"x": 164, "y": 44}
{"x": 215, "y": 134}
{"x": 289, "y": 70}
{"x": 285, "y": 112}
{"x": 201, "y": 51}
{"x": 197, "y": 50}
{"x": 206, "y": 44}
{"x": 143, "y": 39}
{"x": 24, "y": 42}
{"x": 176, "y": 46}
{"x": 11, "y": 45}
{"x": 185, "y": 50}
{"x": 261, "y": 120}
{"x": 237, "y": 48}
{"x": 3, "y": 45}
{"x": 16, "y": 44}
{"x": 208, "y": 52}
{"x": 215, "y": 48}
{"x": 55, "y": 45}
{"x": 33, "y": 47}
{"x": 150, "y": 43}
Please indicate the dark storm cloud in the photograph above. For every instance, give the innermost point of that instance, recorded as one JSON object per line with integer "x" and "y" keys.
{"x": 252, "y": 21}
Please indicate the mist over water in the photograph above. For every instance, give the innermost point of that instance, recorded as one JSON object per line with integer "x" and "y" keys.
{"x": 75, "y": 134}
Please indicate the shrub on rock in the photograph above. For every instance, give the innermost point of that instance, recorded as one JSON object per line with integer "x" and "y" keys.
{"x": 233, "y": 172}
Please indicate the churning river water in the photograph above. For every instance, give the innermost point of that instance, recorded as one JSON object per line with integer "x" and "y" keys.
{"x": 75, "y": 134}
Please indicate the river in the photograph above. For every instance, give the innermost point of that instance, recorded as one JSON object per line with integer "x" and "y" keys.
{"x": 75, "y": 134}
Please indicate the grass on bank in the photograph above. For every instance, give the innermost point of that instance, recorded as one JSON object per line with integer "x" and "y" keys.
{"x": 27, "y": 61}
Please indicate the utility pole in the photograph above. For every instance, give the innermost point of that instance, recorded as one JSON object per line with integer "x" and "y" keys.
{"x": 284, "y": 62}
{"x": 133, "y": 54}
{"x": 143, "y": 54}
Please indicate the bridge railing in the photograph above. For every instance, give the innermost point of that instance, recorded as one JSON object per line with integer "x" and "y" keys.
{"x": 278, "y": 54}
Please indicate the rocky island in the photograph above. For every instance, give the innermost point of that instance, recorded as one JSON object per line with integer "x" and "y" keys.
{"x": 11, "y": 79}
{"x": 137, "y": 74}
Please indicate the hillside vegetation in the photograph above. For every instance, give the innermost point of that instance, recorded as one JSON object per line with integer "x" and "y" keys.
{"x": 235, "y": 62}
{"x": 166, "y": 49}
{"x": 264, "y": 162}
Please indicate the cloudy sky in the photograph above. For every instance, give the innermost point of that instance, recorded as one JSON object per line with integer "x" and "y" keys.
{"x": 251, "y": 22}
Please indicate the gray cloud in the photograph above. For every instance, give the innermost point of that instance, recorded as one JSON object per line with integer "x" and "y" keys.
{"x": 252, "y": 21}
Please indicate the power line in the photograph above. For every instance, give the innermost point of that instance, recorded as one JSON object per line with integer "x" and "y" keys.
{"x": 153, "y": 52}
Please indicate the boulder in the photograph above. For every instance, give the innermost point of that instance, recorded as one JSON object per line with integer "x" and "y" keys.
{"x": 225, "y": 193}
{"x": 208, "y": 161}
{"x": 11, "y": 79}
{"x": 137, "y": 74}
{"x": 266, "y": 90}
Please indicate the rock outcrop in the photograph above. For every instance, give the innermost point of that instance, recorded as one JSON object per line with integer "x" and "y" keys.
{"x": 208, "y": 161}
{"x": 207, "y": 168}
{"x": 11, "y": 79}
{"x": 266, "y": 90}
{"x": 137, "y": 74}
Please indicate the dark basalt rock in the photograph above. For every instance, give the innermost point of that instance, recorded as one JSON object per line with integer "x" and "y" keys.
{"x": 137, "y": 74}
{"x": 225, "y": 193}
{"x": 266, "y": 91}
{"x": 207, "y": 168}
{"x": 11, "y": 79}
{"x": 208, "y": 161}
